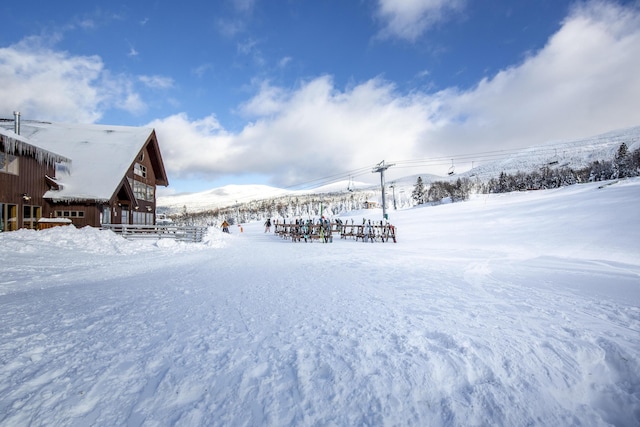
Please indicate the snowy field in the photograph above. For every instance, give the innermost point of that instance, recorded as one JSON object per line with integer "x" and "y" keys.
{"x": 510, "y": 310}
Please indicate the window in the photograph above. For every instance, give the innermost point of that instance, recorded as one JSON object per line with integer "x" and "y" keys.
{"x": 30, "y": 216}
{"x": 8, "y": 217}
{"x": 8, "y": 163}
{"x": 143, "y": 218}
{"x": 140, "y": 170}
{"x": 143, "y": 191}
{"x": 69, "y": 214}
{"x": 63, "y": 168}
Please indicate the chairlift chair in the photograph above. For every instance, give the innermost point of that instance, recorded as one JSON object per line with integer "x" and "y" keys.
{"x": 452, "y": 169}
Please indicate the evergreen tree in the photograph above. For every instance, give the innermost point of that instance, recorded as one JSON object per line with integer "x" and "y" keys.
{"x": 418, "y": 193}
{"x": 621, "y": 163}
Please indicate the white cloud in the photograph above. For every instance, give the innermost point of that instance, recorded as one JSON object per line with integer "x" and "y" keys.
{"x": 46, "y": 84}
{"x": 157, "y": 82}
{"x": 194, "y": 147}
{"x": 284, "y": 61}
{"x": 409, "y": 19}
{"x": 583, "y": 82}
{"x": 52, "y": 85}
{"x": 201, "y": 70}
{"x": 230, "y": 27}
{"x": 244, "y": 6}
{"x": 301, "y": 134}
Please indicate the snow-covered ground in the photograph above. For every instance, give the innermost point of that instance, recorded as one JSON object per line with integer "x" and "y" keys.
{"x": 512, "y": 309}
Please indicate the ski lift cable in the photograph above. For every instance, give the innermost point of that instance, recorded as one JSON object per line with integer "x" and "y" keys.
{"x": 482, "y": 156}
{"x": 437, "y": 161}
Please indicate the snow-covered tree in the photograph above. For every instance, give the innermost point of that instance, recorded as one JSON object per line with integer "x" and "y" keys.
{"x": 622, "y": 162}
{"x": 418, "y": 193}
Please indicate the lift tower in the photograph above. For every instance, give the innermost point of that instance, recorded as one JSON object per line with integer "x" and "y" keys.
{"x": 381, "y": 167}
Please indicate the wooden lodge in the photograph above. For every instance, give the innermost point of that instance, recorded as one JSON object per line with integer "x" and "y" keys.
{"x": 55, "y": 174}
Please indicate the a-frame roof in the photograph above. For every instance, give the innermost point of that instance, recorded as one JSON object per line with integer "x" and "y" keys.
{"x": 101, "y": 155}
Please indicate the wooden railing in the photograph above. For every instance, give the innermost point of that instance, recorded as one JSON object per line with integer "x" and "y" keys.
{"x": 180, "y": 233}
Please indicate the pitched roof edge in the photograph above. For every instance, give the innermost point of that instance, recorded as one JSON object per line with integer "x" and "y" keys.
{"x": 156, "y": 159}
{"x": 15, "y": 144}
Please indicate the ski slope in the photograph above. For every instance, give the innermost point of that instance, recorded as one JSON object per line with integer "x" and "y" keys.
{"x": 508, "y": 309}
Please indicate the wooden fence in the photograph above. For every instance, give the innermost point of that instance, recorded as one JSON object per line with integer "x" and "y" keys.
{"x": 180, "y": 233}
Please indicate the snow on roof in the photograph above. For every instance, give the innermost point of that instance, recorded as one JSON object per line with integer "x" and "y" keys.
{"x": 101, "y": 155}
{"x": 18, "y": 144}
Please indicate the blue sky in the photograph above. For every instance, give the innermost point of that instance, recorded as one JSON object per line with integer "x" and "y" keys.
{"x": 287, "y": 92}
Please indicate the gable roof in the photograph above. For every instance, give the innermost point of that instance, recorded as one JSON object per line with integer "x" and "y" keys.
{"x": 101, "y": 156}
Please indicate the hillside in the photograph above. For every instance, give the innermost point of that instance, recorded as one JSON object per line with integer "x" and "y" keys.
{"x": 574, "y": 154}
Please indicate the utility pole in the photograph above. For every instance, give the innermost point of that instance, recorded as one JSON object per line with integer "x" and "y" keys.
{"x": 381, "y": 167}
{"x": 393, "y": 188}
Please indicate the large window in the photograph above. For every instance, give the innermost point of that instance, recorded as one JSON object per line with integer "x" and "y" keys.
{"x": 30, "y": 216}
{"x": 142, "y": 191}
{"x": 142, "y": 218}
{"x": 8, "y": 217}
{"x": 8, "y": 163}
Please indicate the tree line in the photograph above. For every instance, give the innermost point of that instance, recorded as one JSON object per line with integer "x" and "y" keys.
{"x": 291, "y": 207}
{"x": 624, "y": 164}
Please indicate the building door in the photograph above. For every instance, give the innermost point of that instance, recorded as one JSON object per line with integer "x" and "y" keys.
{"x": 8, "y": 217}
{"x": 106, "y": 215}
{"x": 125, "y": 214}
{"x": 30, "y": 216}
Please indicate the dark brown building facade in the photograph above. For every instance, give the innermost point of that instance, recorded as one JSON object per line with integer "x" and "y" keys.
{"x": 23, "y": 168}
{"x": 37, "y": 183}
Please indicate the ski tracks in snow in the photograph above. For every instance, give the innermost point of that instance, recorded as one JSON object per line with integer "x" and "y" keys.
{"x": 268, "y": 332}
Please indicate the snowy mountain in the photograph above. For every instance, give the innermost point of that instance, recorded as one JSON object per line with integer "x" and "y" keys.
{"x": 574, "y": 154}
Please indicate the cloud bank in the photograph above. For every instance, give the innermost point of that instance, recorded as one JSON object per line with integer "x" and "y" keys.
{"x": 42, "y": 82}
{"x": 584, "y": 81}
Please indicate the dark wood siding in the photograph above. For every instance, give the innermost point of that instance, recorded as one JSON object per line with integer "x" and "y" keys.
{"x": 28, "y": 187}
{"x": 80, "y": 214}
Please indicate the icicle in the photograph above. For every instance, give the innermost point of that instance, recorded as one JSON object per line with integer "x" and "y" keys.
{"x": 15, "y": 146}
